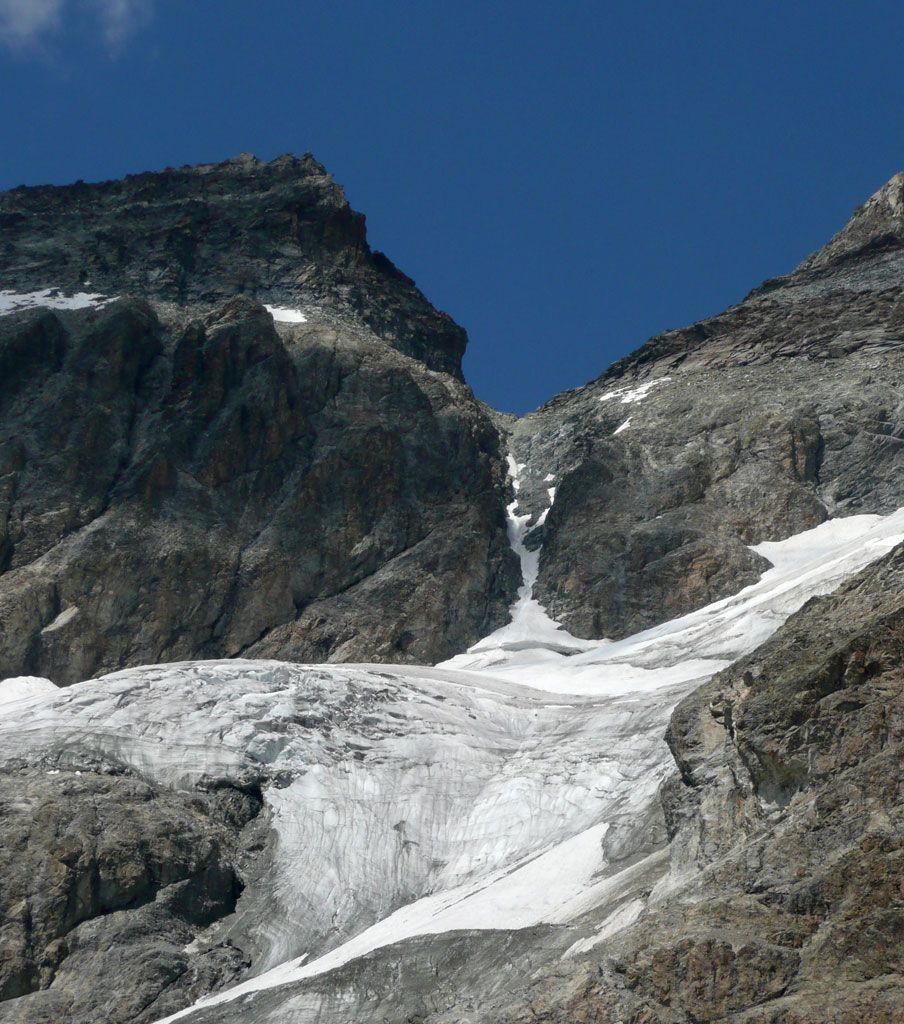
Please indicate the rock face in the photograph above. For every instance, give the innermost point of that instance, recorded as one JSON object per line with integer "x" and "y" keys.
{"x": 106, "y": 877}
{"x": 279, "y": 232}
{"x": 187, "y": 481}
{"x": 751, "y": 426}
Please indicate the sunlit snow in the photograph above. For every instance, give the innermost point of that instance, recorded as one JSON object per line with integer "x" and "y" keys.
{"x": 628, "y": 396}
{"x": 19, "y": 688}
{"x": 284, "y": 315}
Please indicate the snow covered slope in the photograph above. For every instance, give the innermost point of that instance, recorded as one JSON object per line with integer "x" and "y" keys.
{"x": 514, "y": 786}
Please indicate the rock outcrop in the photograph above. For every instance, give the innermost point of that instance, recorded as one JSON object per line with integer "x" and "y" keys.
{"x": 104, "y": 881}
{"x": 282, "y": 233}
{"x": 190, "y": 481}
{"x": 754, "y": 425}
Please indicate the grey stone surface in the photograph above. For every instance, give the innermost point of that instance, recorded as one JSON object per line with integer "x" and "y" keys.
{"x": 280, "y": 232}
{"x": 179, "y": 485}
{"x": 104, "y": 880}
{"x": 758, "y": 423}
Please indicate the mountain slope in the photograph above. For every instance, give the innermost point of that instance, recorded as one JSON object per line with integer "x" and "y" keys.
{"x": 193, "y": 479}
{"x": 278, "y": 232}
{"x": 753, "y": 425}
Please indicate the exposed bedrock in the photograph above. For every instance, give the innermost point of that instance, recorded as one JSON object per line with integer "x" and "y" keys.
{"x": 754, "y": 425}
{"x": 202, "y": 487}
{"x": 104, "y": 880}
{"x": 280, "y": 232}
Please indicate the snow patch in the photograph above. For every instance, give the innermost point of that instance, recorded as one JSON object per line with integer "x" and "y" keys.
{"x": 49, "y": 298}
{"x": 65, "y": 616}
{"x": 18, "y": 688}
{"x": 284, "y": 315}
{"x": 530, "y": 628}
{"x": 628, "y": 395}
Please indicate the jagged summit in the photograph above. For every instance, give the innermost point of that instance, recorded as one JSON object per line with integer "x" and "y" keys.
{"x": 848, "y": 289}
{"x": 281, "y": 232}
{"x": 875, "y": 227}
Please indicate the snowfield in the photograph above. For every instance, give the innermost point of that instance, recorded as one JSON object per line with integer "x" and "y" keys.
{"x": 511, "y": 786}
{"x": 629, "y": 396}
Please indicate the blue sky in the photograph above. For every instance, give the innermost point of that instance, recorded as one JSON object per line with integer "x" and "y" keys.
{"x": 565, "y": 179}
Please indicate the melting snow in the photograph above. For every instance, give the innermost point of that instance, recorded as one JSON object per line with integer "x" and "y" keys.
{"x": 49, "y": 298}
{"x": 530, "y": 627}
{"x": 624, "y": 426}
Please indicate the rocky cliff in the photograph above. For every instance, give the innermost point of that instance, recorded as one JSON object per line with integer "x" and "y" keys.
{"x": 189, "y": 479}
{"x": 758, "y": 423}
{"x": 278, "y": 232}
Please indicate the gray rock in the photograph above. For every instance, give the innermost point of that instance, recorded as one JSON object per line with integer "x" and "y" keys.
{"x": 104, "y": 880}
{"x": 186, "y": 488}
{"x": 279, "y": 232}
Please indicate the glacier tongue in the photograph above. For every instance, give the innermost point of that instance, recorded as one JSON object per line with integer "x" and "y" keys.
{"x": 512, "y": 786}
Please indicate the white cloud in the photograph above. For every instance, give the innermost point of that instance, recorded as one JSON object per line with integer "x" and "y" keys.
{"x": 25, "y": 22}
{"x": 120, "y": 19}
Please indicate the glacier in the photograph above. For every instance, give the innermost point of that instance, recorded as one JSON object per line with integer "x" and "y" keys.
{"x": 512, "y": 787}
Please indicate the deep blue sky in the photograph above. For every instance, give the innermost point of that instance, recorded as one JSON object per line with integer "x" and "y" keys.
{"x": 565, "y": 179}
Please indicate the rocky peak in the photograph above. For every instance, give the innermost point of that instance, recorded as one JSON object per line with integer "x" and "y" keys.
{"x": 876, "y": 226}
{"x": 280, "y": 232}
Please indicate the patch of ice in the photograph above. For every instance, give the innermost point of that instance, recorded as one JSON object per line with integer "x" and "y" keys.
{"x": 624, "y": 426}
{"x": 620, "y": 918}
{"x": 18, "y": 688}
{"x": 65, "y": 616}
